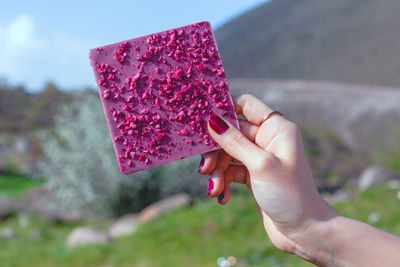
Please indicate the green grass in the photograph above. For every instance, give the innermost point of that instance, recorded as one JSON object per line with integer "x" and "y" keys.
{"x": 15, "y": 184}
{"x": 194, "y": 236}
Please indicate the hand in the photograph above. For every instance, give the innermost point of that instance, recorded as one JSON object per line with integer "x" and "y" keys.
{"x": 274, "y": 167}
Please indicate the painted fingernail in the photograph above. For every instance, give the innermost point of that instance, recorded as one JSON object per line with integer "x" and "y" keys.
{"x": 201, "y": 163}
{"x": 218, "y": 124}
{"x": 220, "y": 197}
{"x": 210, "y": 186}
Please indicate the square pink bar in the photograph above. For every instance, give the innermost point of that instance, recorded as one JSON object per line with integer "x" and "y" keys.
{"x": 157, "y": 93}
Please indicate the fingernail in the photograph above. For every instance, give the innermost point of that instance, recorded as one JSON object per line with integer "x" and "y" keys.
{"x": 201, "y": 163}
{"x": 210, "y": 186}
{"x": 220, "y": 197}
{"x": 218, "y": 124}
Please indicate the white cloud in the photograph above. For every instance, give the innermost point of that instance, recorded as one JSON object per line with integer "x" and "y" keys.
{"x": 31, "y": 59}
{"x": 17, "y": 40}
{"x": 19, "y": 32}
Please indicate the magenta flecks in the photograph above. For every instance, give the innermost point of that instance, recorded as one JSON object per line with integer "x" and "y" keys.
{"x": 157, "y": 93}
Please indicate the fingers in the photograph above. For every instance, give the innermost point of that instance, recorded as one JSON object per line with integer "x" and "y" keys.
{"x": 248, "y": 129}
{"x": 275, "y": 135}
{"x": 217, "y": 175}
{"x": 235, "y": 143}
{"x": 237, "y": 173}
{"x": 234, "y": 173}
{"x": 208, "y": 161}
{"x": 252, "y": 108}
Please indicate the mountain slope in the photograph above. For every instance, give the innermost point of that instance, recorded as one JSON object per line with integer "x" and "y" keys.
{"x": 355, "y": 41}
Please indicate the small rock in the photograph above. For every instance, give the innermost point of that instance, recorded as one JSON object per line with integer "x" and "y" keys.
{"x": 87, "y": 235}
{"x": 125, "y": 225}
{"x": 7, "y": 232}
{"x": 70, "y": 216}
{"x": 374, "y": 175}
{"x": 170, "y": 203}
{"x": 8, "y": 207}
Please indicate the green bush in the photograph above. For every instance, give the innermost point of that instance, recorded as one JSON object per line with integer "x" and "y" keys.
{"x": 80, "y": 167}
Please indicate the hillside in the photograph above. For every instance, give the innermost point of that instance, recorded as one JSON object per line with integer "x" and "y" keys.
{"x": 347, "y": 41}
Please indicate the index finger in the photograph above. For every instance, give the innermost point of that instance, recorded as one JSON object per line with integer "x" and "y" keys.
{"x": 252, "y": 108}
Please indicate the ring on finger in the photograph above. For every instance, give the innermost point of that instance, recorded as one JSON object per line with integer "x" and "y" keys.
{"x": 275, "y": 112}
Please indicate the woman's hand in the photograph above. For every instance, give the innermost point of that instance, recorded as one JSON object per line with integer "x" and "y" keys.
{"x": 275, "y": 169}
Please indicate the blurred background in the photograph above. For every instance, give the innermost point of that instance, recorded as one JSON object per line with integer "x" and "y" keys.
{"x": 330, "y": 66}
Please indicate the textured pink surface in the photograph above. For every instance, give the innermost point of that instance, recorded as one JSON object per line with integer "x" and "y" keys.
{"x": 157, "y": 92}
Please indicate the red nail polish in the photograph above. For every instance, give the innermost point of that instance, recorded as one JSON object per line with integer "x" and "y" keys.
{"x": 220, "y": 197}
{"x": 218, "y": 124}
{"x": 201, "y": 163}
{"x": 210, "y": 186}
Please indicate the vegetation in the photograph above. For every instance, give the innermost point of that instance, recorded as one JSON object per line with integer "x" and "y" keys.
{"x": 12, "y": 184}
{"x": 21, "y": 111}
{"x": 22, "y": 114}
{"x": 193, "y": 236}
{"x": 80, "y": 166}
{"x": 331, "y": 160}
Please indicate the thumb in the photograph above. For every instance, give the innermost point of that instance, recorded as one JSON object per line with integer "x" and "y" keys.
{"x": 235, "y": 143}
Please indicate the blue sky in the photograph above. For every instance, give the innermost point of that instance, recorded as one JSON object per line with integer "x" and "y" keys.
{"x": 44, "y": 41}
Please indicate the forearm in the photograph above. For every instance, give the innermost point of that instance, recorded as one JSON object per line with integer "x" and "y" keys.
{"x": 341, "y": 241}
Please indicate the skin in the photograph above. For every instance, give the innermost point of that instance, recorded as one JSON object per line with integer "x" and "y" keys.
{"x": 269, "y": 159}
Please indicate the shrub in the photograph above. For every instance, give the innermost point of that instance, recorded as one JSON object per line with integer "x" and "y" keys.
{"x": 80, "y": 167}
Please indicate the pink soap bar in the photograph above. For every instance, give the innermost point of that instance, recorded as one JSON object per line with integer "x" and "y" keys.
{"x": 157, "y": 93}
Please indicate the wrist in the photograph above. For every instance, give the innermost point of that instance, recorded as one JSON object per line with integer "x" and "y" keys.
{"x": 340, "y": 241}
{"x": 314, "y": 244}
